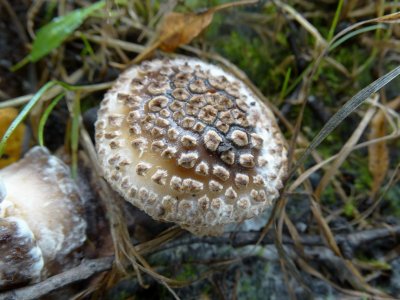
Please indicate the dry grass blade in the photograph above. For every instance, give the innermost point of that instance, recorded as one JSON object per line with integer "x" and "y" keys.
{"x": 166, "y": 236}
{"x": 324, "y": 227}
{"x": 345, "y": 151}
{"x": 303, "y": 22}
{"x": 306, "y": 174}
{"x": 293, "y": 232}
{"x": 50, "y": 94}
{"x": 391, "y": 18}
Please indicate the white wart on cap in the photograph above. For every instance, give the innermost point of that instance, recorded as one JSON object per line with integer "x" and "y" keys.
{"x": 189, "y": 143}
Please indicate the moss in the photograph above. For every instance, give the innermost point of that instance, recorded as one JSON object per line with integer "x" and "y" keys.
{"x": 349, "y": 209}
{"x": 392, "y": 198}
{"x": 188, "y": 272}
{"x": 329, "y": 196}
{"x": 257, "y": 59}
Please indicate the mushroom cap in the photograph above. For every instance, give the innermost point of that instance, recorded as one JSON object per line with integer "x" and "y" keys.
{"x": 189, "y": 143}
{"x": 43, "y": 205}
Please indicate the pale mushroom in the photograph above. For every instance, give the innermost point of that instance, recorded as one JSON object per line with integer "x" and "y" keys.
{"x": 189, "y": 143}
{"x": 41, "y": 218}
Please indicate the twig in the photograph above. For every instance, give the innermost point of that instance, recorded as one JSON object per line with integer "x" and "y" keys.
{"x": 86, "y": 269}
{"x": 244, "y": 238}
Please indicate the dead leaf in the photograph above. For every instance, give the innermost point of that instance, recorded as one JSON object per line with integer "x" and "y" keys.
{"x": 179, "y": 29}
{"x": 13, "y": 148}
{"x": 176, "y": 29}
{"x": 378, "y": 153}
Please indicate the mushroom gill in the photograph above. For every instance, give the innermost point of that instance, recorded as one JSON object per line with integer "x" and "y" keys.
{"x": 189, "y": 143}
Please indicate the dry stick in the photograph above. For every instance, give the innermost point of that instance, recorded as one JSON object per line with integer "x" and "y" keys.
{"x": 31, "y": 14}
{"x": 114, "y": 43}
{"x": 85, "y": 270}
{"x": 91, "y": 267}
{"x": 304, "y": 22}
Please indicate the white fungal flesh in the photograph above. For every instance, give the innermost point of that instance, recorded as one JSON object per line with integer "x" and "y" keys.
{"x": 3, "y": 191}
{"x": 21, "y": 259}
{"x": 203, "y": 133}
{"x": 45, "y": 203}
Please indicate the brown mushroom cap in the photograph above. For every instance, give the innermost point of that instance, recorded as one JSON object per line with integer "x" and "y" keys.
{"x": 189, "y": 143}
{"x": 42, "y": 214}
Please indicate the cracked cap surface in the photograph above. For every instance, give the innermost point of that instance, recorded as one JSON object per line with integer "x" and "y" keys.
{"x": 189, "y": 143}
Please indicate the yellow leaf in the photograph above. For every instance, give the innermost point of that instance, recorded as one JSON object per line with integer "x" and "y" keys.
{"x": 14, "y": 145}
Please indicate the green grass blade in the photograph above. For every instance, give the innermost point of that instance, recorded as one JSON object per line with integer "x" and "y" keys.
{"x": 76, "y": 115}
{"x": 45, "y": 116}
{"x": 24, "y": 112}
{"x": 27, "y": 108}
{"x": 345, "y": 111}
{"x": 335, "y": 20}
{"x": 354, "y": 33}
{"x": 285, "y": 84}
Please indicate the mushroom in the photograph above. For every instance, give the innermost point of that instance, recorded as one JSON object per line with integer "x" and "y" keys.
{"x": 41, "y": 218}
{"x": 189, "y": 143}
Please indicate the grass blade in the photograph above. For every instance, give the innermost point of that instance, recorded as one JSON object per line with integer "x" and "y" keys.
{"x": 285, "y": 84}
{"x": 76, "y": 115}
{"x": 335, "y": 20}
{"x": 45, "y": 116}
{"x": 24, "y": 112}
{"x": 354, "y": 33}
{"x": 27, "y": 108}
